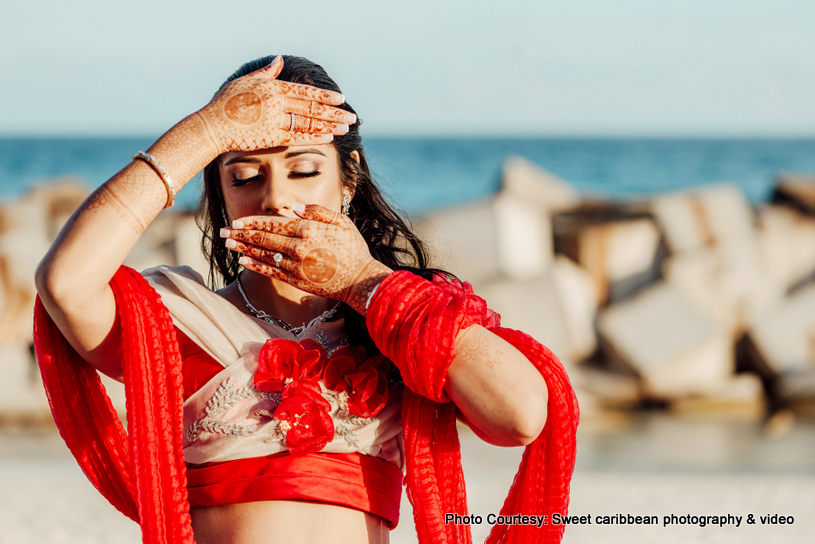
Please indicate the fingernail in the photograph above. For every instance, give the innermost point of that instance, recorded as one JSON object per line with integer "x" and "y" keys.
{"x": 342, "y": 99}
{"x": 298, "y": 207}
{"x": 352, "y": 118}
{"x": 244, "y": 261}
{"x": 344, "y": 128}
{"x": 231, "y": 244}
{"x": 238, "y": 224}
{"x": 225, "y": 233}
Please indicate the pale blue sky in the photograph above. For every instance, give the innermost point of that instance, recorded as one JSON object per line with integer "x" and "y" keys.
{"x": 567, "y": 67}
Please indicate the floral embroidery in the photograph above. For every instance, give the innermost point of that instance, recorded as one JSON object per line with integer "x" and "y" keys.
{"x": 289, "y": 375}
{"x": 222, "y": 400}
{"x": 282, "y": 361}
{"x": 348, "y": 371}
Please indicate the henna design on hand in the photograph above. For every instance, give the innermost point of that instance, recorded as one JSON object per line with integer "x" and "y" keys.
{"x": 328, "y": 257}
{"x": 252, "y": 112}
{"x": 319, "y": 265}
{"x": 244, "y": 108}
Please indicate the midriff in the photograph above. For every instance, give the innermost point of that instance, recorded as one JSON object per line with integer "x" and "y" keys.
{"x": 286, "y": 521}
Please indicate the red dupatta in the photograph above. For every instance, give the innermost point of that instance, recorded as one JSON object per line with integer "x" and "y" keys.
{"x": 141, "y": 473}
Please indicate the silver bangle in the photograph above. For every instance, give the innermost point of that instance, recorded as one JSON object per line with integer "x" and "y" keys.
{"x": 165, "y": 177}
{"x": 371, "y": 295}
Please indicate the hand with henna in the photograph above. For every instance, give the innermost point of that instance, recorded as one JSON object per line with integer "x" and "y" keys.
{"x": 256, "y": 112}
{"x": 322, "y": 253}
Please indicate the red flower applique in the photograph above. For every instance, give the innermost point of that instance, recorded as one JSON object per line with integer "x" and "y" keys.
{"x": 282, "y": 361}
{"x": 303, "y": 417}
{"x": 361, "y": 379}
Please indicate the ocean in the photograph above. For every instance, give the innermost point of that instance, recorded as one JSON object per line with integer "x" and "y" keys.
{"x": 421, "y": 174}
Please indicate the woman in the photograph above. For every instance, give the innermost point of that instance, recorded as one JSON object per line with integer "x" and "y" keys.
{"x": 272, "y": 416}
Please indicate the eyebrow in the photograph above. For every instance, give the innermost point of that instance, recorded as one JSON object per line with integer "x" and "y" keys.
{"x": 288, "y": 155}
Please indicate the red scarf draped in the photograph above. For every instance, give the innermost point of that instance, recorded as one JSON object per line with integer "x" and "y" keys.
{"x": 142, "y": 473}
{"x": 415, "y": 324}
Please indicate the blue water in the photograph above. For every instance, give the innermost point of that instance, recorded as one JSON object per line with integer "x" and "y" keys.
{"x": 425, "y": 173}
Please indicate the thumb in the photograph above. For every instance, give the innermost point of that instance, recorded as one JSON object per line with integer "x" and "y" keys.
{"x": 316, "y": 213}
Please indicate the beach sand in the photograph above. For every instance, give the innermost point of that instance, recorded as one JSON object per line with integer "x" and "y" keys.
{"x": 45, "y": 498}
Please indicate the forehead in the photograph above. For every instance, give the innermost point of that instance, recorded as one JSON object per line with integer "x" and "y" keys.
{"x": 279, "y": 153}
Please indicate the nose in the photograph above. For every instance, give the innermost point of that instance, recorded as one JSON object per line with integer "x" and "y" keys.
{"x": 276, "y": 198}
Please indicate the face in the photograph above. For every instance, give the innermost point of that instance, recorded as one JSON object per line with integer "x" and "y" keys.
{"x": 269, "y": 181}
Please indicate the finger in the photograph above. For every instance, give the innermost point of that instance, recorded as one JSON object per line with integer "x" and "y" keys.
{"x": 307, "y": 92}
{"x": 268, "y": 256}
{"x": 263, "y": 240}
{"x": 305, "y": 138}
{"x": 266, "y": 269}
{"x": 271, "y": 71}
{"x": 316, "y": 126}
{"x": 285, "y": 226}
{"x": 310, "y": 108}
{"x": 317, "y": 213}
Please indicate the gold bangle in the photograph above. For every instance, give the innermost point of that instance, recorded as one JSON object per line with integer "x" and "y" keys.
{"x": 165, "y": 177}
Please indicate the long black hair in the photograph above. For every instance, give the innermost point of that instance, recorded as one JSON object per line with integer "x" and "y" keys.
{"x": 389, "y": 238}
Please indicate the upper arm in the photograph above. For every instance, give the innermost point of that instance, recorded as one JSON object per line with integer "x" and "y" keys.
{"x": 89, "y": 324}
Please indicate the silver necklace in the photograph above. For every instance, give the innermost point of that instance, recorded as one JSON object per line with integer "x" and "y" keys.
{"x": 296, "y": 331}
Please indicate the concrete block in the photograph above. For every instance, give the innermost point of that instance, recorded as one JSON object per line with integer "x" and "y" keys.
{"x": 60, "y": 197}
{"x": 610, "y": 389}
{"x": 713, "y": 215}
{"x": 532, "y": 183}
{"x": 557, "y": 310}
{"x": 786, "y": 245}
{"x": 797, "y": 190}
{"x": 785, "y": 335}
{"x": 188, "y": 245}
{"x": 21, "y": 388}
{"x": 615, "y": 253}
{"x": 502, "y": 237}
{"x": 740, "y": 395}
{"x": 464, "y": 240}
{"x": 668, "y": 341}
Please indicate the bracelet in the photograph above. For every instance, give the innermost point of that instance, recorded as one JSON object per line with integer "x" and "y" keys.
{"x": 371, "y": 295}
{"x": 165, "y": 177}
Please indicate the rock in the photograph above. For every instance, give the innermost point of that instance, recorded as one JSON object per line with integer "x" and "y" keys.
{"x": 739, "y": 395}
{"x": 502, "y": 237}
{"x": 60, "y": 197}
{"x": 713, "y": 215}
{"x": 785, "y": 335}
{"x": 797, "y": 190}
{"x": 667, "y": 340}
{"x": 557, "y": 310}
{"x": 21, "y": 388}
{"x": 621, "y": 256}
{"x": 610, "y": 389}
{"x": 712, "y": 238}
{"x": 188, "y": 245}
{"x": 786, "y": 245}
{"x": 535, "y": 185}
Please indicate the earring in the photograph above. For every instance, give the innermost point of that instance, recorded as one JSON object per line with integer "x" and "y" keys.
{"x": 346, "y": 204}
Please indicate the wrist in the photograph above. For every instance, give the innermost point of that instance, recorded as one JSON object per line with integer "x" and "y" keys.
{"x": 359, "y": 294}
{"x": 185, "y": 149}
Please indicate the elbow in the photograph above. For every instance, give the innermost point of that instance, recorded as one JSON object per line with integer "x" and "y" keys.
{"x": 529, "y": 427}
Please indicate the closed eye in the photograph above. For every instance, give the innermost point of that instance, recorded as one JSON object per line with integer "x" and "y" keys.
{"x": 300, "y": 175}
{"x": 237, "y": 182}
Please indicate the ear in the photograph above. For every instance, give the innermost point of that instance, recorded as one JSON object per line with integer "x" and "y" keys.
{"x": 352, "y": 188}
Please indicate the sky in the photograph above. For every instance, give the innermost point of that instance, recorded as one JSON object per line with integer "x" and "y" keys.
{"x": 740, "y": 68}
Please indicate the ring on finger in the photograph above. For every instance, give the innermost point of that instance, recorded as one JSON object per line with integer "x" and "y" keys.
{"x": 291, "y": 128}
{"x": 277, "y": 258}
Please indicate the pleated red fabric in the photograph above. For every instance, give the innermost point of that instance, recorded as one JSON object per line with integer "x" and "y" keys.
{"x": 141, "y": 473}
{"x": 415, "y": 324}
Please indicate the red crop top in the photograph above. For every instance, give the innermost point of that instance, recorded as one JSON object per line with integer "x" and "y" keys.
{"x": 354, "y": 480}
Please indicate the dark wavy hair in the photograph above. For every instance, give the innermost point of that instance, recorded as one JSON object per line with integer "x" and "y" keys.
{"x": 389, "y": 238}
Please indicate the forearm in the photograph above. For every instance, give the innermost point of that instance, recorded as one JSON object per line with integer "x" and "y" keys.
{"x": 498, "y": 391}
{"x": 72, "y": 279}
